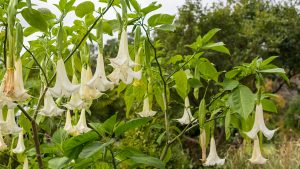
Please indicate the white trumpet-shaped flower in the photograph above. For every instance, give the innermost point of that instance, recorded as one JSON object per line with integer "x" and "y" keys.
{"x": 213, "y": 158}
{"x": 20, "y": 94}
{"x": 10, "y": 126}
{"x": 257, "y": 158}
{"x": 187, "y": 115}
{"x": 147, "y": 112}
{"x": 69, "y": 128}
{"x": 86, "y": 92}
{"x": 3, "y": 146}
{"x": 20, "y": 145}
{"x": 99, "y": 80}
{"x": 25, "y": 164}
{"x": 81, "y": 126}
{"x": 259, "y": 125}
{"x": 123, "y": 64}
{"x": 5, "y": 100}
{"x": 63, "y": 87}
{"x": 75, "y": 102}
{"x": 50, "y": 108}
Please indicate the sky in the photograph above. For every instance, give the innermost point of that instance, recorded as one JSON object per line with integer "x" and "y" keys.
{"x": 168, "y": 7}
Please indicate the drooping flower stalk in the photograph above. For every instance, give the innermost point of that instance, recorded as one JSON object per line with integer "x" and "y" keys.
{"x": 257, "y": 157}
{"x": 87, "y": 93}
{"x": 63, "y": 87}
{"x": 81, "y": 126}
{"x": 20, "y": 145}
{"x": 203, "y": 144}
{"x": 213, "y": 158}
{"x": 50, "y": 108}
{"x": 187, "y": 115}
{"x": 259, "y": 125}
{"x": 123, "y": 64}
{"x": 10, "y": 126}
{"x": 147, "y": 112}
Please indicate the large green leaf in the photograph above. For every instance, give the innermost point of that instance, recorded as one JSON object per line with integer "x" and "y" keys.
{"x": 134, "y": 123}
{"x": 58, "y": 163}
{"x": 160, "y": 19}
{"x": 275, "y": 70}
{"x": 35, "y": 19}
{"x": 84, "y": 8}
{"x": 109, "y": 124}
{"x": 229, "y": 84}
{"x": 149, "y": 161}
{"x": 269, "y": 106}
{"x": 207, "y": 37}
{"x": 93, "y": 148}
{"x": 207, "y": 69}
{"x": 181, "y": 84}
{"x": 150, "y": 8}
{"x": 73, "y": 146}
{"x": 242, "y": 101}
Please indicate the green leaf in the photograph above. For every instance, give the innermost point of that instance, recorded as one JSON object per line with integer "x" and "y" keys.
{"x": 181, "y": 83}
{"x": 195, "y": 83}
{"x": 134, "y": 123}
{"x": 160, "y": 19}
{"x": 59, "y": 136}
{"x": 242, "y": 101}
{"x": 149, "y": 161}
{"x": 207, "y": 70}
{"x": 229, "y": 84}
{"x": 73, "y": 146}
{"x": 275, "y": 70}
{"x": 227, "y": 124}
{"x": 150, "y": 8}
{"x": 206, "y": 38}
{"x": 84, "y": 8}
{"x": 93, "y": 148}
{"x": 47, "y": 14}
{"x": 129, "y": 98}
{"x": 135, "y": 5}
{"x": 219, "y": 47}
{"x": 109, "y": 124}
{"x": 167, "y": 27}
{"x": 269, "y": 106}
{"x": 232, "y": 73}
{"x": 202, "y": 113}
{"x": 35, "y": 19}
{"x": 58, "y": 163}
{"x": 267, "y": 61}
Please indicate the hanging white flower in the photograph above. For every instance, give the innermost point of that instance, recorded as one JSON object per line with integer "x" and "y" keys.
{"x": 123, "y": 64}
{"x": 213, "y": 158}
{"x": 87, "y": 93}
{"x": 10, "y": 126}
{"x": 69, "y": 128}
{"x": 25, "y": 165}
{"x": 75, "y": 102}
{"x": 257, "y": 158}
{"x": 147, "y": 112}
{"x": 63, "y": 87}
{"x": 99, "y": 80}
{"x": 187, "y": 115}
{"x": 20, "y": 94}
{"x": 50, "y": 108}
{"x": 259, "y": 125}
{"x": 3, "y": 146}
{"x": 81, "y": 126}
{"x": 20, "y": 145}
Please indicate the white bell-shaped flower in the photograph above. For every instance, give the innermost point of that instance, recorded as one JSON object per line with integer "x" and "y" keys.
{"x": 257, "y": 158}
{"x": 99, "y": 80}
{"x": 87, "y": 93}
{"x": 213, "y": 158}
{"x": 81, "y": 126}
{"x": 187, "y": 115}
{"x": 20, "y": 94}
{"x": 5, "y": 100}
{"x": 147, "y": 112}
{"x": 3, "y": 146}
{"x": 50, "y": 108}
{"x": 75, "y": 102}
{"x": 123, "y": 64}
{"x": 10, "y": 126}
{"x": 259, "y": 125}
{"x": 25, "y": 164}
{"x": 69, "y": 128}
{"x": 63, "y": 87}
{"x": 20, "y": 145}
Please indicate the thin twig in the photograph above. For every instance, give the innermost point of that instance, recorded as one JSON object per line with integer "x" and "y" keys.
{"x": 38, "y": 64}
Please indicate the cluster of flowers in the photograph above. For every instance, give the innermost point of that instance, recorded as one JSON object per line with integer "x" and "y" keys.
{"x": 259, "y": 125}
